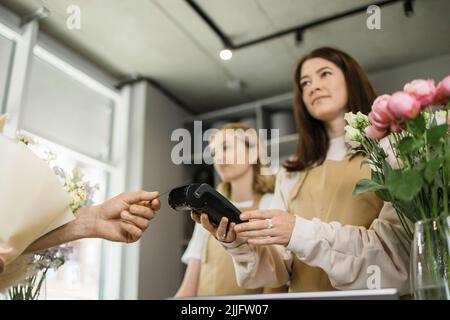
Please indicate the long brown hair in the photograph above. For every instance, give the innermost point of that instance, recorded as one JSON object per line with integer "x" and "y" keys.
{"x": 313, "y": 140}
{"x": 261, "y": 183}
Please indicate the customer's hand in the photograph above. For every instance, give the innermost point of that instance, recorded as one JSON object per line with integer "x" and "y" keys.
{"x": 125, "y": 217}
{"x": 266, "y": 227}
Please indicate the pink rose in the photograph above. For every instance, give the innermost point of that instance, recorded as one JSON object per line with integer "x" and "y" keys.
{"x": 374, "y": 133}
{"x": 442, "y": 91}
{"x": 380, "y": 107}
{"x": 404, "y": 106}
{"x": 396, "y": 126}
{"x": 377, "y": 120}
{"x": 422, "y": 90}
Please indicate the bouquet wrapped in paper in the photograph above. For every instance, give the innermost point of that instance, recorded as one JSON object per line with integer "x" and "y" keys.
{"x": 32, "y": 200}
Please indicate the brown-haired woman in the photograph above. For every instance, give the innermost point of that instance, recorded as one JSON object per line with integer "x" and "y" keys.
{"x": 318, "y": 236}
{"x": 210, "y": 269}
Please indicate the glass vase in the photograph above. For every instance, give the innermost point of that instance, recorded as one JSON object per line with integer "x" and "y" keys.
{"x": 33, "y": 288}
{"x": 430, "y": 260}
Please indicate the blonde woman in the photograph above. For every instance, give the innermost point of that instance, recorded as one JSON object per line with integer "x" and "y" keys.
{"x": 210, "y": 268}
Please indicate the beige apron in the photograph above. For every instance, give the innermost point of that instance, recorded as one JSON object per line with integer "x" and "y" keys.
{"x": 217, "y": 276}
{"x": 325, "y": 192}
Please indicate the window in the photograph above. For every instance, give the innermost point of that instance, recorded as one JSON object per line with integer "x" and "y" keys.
{"x": 68, "y": 119}
{"x": 75, "y": 123}
{"x": 6, "y": 55}
{"x": 72, "y": 109}
{"x": 65, "y": 111}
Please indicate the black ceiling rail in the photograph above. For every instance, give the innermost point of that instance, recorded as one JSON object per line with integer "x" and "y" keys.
{"x": 225, "y": 40}
{"x": 228, "y": 43}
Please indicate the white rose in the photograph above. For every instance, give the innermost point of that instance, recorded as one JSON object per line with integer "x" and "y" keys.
{"x": 352, "y": 136}
{"x": 350, "y": 117}
{"x": 440, "y": 117}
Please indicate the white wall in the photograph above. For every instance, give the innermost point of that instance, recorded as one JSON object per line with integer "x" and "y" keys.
{"x": 391, "y": 80}
{"x": 160, "y": 269}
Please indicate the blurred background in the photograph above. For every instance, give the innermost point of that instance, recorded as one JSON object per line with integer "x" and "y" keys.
{"x": 103, "y": 84}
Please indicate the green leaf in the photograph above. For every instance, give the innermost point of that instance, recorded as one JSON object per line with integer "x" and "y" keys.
{"x": 432, "y": 167}
{"x": 420, "y": 166}
{"x": 383, "y": 195}
{"x": 366, "y": 185}
{"x": 435, "y": 133}
{"x": 354, "y": 153}
{"x": 409, "y": 145}
{"x": 408, "y": 209}
{"x": 367, "y": 161}
{"x": 386, "y": 167}
{"x": 446, "y": 164}
{"x": 376, "y": 178}
{"x": 417, "y": 125}
{"x": 404, "y": 185}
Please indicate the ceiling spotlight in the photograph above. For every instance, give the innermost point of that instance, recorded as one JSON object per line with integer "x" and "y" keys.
{"x": 226, "y": 54}
{"x": 408, "y": 7}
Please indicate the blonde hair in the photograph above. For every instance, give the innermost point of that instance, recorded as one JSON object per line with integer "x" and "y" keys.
{"x": 261, "y": 183}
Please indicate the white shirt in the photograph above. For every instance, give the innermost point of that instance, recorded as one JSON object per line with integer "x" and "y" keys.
{"x": 195, "y": 247}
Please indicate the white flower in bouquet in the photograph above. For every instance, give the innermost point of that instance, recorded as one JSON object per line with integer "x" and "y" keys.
{"x": 355, "y": 129}
{"x": 352, "y": 136}
{"x": 357, "y": 121}
{"x": 350, "y": 117}
{"x": 37, "y": 265}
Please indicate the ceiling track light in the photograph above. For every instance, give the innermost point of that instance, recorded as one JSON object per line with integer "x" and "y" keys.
{"x": 409, "y": 8}
{"x": 298, "y": 37}
{"x": 298, "y": 30}
{"x": 235, "y": 85}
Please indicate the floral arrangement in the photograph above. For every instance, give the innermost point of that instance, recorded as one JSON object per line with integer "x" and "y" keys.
{"x": 38, "y": 265}
{"x": 81, "y": 194}
{"x": 407, "y": 144}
